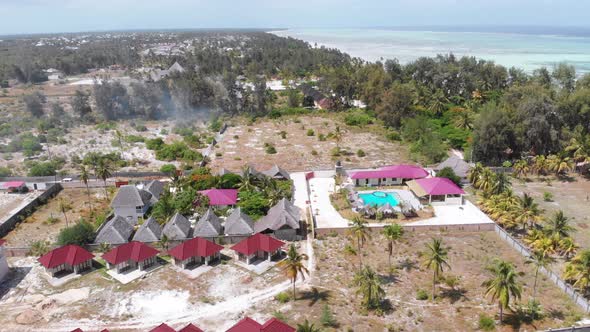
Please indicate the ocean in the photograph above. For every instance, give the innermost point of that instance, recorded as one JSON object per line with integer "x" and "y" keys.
{"x": 525, "y": 48}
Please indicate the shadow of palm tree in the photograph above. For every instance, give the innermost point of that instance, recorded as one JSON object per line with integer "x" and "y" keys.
{"x": 407, "y": 265}
{"x": 454, "y": 294}
{"x": 389, "y": 278}
{"x": 314, "y": 295}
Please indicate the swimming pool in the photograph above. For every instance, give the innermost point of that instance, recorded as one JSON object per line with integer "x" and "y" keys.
{"x": 379, "y": 198}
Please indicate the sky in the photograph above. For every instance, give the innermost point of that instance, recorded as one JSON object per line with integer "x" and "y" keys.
{"x": 48, "y": 16}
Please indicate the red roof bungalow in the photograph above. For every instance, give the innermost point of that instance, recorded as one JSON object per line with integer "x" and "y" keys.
{"x": 130, "y": 256}
{"x": 69, "y": 258}
{"x": 388, "y": 175}
{"x": 163, "y": 328}
{"x": 190, "y": 328}
{"x": 437, "y": 190}
{"x": 275, "y": 325}
{"x": 15, "y": 187}
{"x": 221, "y": 197}
{"x": 272, "y": 325}
{"x": 257, "y": 246}
{"x": 195, "y": 251}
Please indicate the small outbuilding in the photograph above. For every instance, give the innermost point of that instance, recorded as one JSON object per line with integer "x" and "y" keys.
{"x": 221, "y": 198}
{"x": 277, "y": 173}
{"x": 238, "y": 224}
{"x": 195, "y": 251}
{"x": 437, "y": 191}
{"x": 257, "y": 246}
{"x": 459, "y": 166}
{"x": 131, "y": 255}
{"x": 282, "y": 221}
{"x": 209, "y": 226}
{"x": 70, "y": 258}
{"x": 116, "y": 231}
{"x": 177, "y": 228}
{"x": 150, "y": 231}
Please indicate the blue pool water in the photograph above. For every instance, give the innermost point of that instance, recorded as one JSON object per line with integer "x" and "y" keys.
{"x": 379, "y": 198}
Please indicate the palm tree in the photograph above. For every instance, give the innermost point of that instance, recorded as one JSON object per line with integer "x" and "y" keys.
{"x": 559, "y": 164}
{"x": 64, "y": 206}
{"x": 437, "y": 103}
{"x": 273, "y": 192}
{"x": 567, "y": 247}
{"x": 84, "y": 177}
{"x": 500, "y": 183}
{"x": 359, "y": 231}
{"x": 392, "y": 233}
{"x": 435, "y": 258}
{"x": 521, "y": 168}
{"x": 559, "y": 226}
{"x": 463, "y": 118}
{"x": 306, "y": 326}
{"x": 293, "y": 266}
{"x": 578, "y": 270}
{"x": 338, "y": 136}
{"x": 475, "y": 173}
{"x": 249, "y": 180}
{"x": 486, "y": 181}
{"x": 104, "y": 171}
{"x": 528, "y": 211}
{"x": 540, "y": 165}
{"x": 541, "y": 259}
{"x": 503, "y": 285}
{"x": 369, "y": 287}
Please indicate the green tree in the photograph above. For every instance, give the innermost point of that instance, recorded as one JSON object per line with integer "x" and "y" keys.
{"x": 293, "y": 267}
{"x": 84, "y": 177}
{"x": 369, "y": 287}
{"x": 578, "y": 271}
{"x": 392, "y": 233}
{"x": 359, "y": 232}
{"x": 448, "y": 173}
{"x": 503, "y": 285}
{"x": 435, "y": 258}
{"x": 540, "y": 259}
{"x": 64, "y": 206}
{"x": 79, "y": 234}
{"x": 103, "y": 171}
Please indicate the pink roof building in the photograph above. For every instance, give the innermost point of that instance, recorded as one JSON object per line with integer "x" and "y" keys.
{"x": 221, "y": 197}
{"x": 437, "y": 190}
{"x": 388, "y": 175}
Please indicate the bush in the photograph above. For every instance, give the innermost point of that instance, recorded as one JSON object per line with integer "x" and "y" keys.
{"x": 310, "y": 132}
{"x": 358, "y": 118}
{"x": 314, "y": 153}
{"x": 421, "y": 295}
{"x": 270, "y": 149}
{"x": 283, "y": 297}
{"x": 448, "y": 173}
{"x": 335, "y": 152}
{"x": 283, "y": 134}
{"x": 154, "y": 144}
{"x": 547, "y": 196}
{"x": 360, "y": 153}
{"x": 393, "y": 136}
{"x": 39, "y": 248}
{"x": 48, "y": 168}
{"x": 322, "y": 137}
{"x": 5, "y": 171}
{"x": 486, "y": 323}
{"x": 327, "y": 317}
{"x": 134, "y": 139}
{"x": 177, "y": 151}
{"x": 168, "y": 169}
{"x": 79, "y": 234}
{"x": 51, "y": 220}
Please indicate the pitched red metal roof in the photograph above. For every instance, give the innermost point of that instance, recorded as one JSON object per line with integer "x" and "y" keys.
{"x": 190, "y": 328}
{"x": 13, "y": 184}
{"x": 246, "y": 325}
{"x": 257, "y": 242}
{"x": 163, "y": 328}
{"x": 396, "y": 171}
{"x": 134, "y": 251}
{"x": 77, "y": 330}
{"x": 275, "y": 325}
{"x": 70, "y": 254}
{"x": 195, "y": 247}
{"x": 221, "y": 196}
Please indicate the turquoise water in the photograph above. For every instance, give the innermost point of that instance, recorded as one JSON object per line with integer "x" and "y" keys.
{"x": 379, "y": 198}
{"x": 525, "y": 51}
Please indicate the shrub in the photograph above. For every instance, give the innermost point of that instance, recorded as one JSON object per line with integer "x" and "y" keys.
{"x": 448, "y": 173}
{"x": 314, "y": 153}
{"x": 358, "y": 118}
{"x": 154, "y": 144}
{"x": 283, "y": 134}
{"x": 335, "y": 152}
{"x": 486, "y": 323}
{"x": 360, "y": 153}
{"x": 547, "y": 196}
{"x": 421, "y": 295}
{"x": 322, "y": 137}
{"x": 327, "y": 317}
{"x": 283, "y": 297}
{"x": 168, "y": 169}
{"x": 80, "y": 234}
{"x": 51, "y": 220}
{"x": 393, "y": 136}
{"x": 48, "y": 168}
{"x": 134, "y": 139}
{"x": 310, "y": 132}
{"x": 5, "y": 171}
{"x": 39, "y": 248}
{"x": 271, "y": 149}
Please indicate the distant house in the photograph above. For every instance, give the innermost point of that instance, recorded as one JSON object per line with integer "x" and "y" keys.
{"x": 388, "y": 175}
{"x": 116, "y": 231}
{"x": 209, "y": 226}
{"x": 309, "y": 92}
{"x": 191, "y": 328}
{"x": 131, "y": 202}
{"x": 221, "y": 198}
{"x": 162, "y": 328}
{"x": 276, "y": 325}
{"x": 195, "y": 251}
{"x": 459, "y": 166}
{"x": 278, "y": 173}
{"x": 70, "y": 258}
{"x": 247, "y": 324}
{"x": 131, "y": 255}
{"x": 257, "y": 246}
{"x": 159, "y": 74}
{"x": 282, "y": 221}
{"x": 177, "y": 228}
{"x": 155, "y": 188}
{"x": 272, "y": 325}
{"x": 238, "y": 224}
{"x": 150, "y": 231}
{"x": 15, "y": 187}
{"x": 4, "y": 269}
{"x": 437, "y": 191}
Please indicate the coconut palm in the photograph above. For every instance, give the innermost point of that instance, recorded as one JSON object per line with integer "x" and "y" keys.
{"x": 475, "y": 173}
{"x": 528, "y": 211}
{"x": 293, "y": 266}
{"x": 486, "y": 181}
{"x": 540, "y": 259}
{"x": 558, "y": 226}
{"x": 559, "y": 164}
{"x": 437, "y": 104}
{"x": 104, "y": 171}
{"x": 392, "y": 233}
{"x": 503, "y": 285}
{"x": 249, "y": 181}
{"x": 463, "y": 118}
{"x": 84, "y": 177}
{"x": 500, "y": 183}
{"x": 540, "y": 165}
{"x": 567, "y": 247}
{"x": 306, "y": 326}
{"x": 579, "y": 147}
{"x": 338, "y": 136}
{"x": 368, "y": 286}
{"x": 64, "y": 206}
{"x": 359, "y": 232}
{"x": 521, "y": 168}
{"x": 435, "y": 258}
{"x": 578, "y": 270}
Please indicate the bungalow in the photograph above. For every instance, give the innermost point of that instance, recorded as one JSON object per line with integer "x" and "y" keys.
{"x": 162, "y": 328}
{"x": 130, "y": 256}
{"x": 388, "y": 175}
{"x": 150, "y": 231}
{"x": 69, "y": 258}
{"x": 437, "y": 191}
{"x": 221, "y": 198}
{"x": 195, "y": 250}
{"x": 459, "y": 166}
{"x": 155, "y": 188}
{"x": 238, "y": 224}
{"x": 282, "y": 221}
{"x": 257, "y": 246}
{"x": 131, "y": 202}
{"x": 272, "y": 325}
{"x": 276, "y": 325}
{"x": 277, "y": 173}
{"x": 177, "y": 228}
{"x": 15, "y": 187}
{"x": 4, "y": 269}
{"x": 116, "y": 231}
{"x": 209, "y": 226}
{"x": 190, "y": 328}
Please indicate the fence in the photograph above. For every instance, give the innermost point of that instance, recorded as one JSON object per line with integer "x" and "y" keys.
{"x": 569, "y": 290}
{"x": 26, "y": 210}
{"x": 487, "y": 227}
